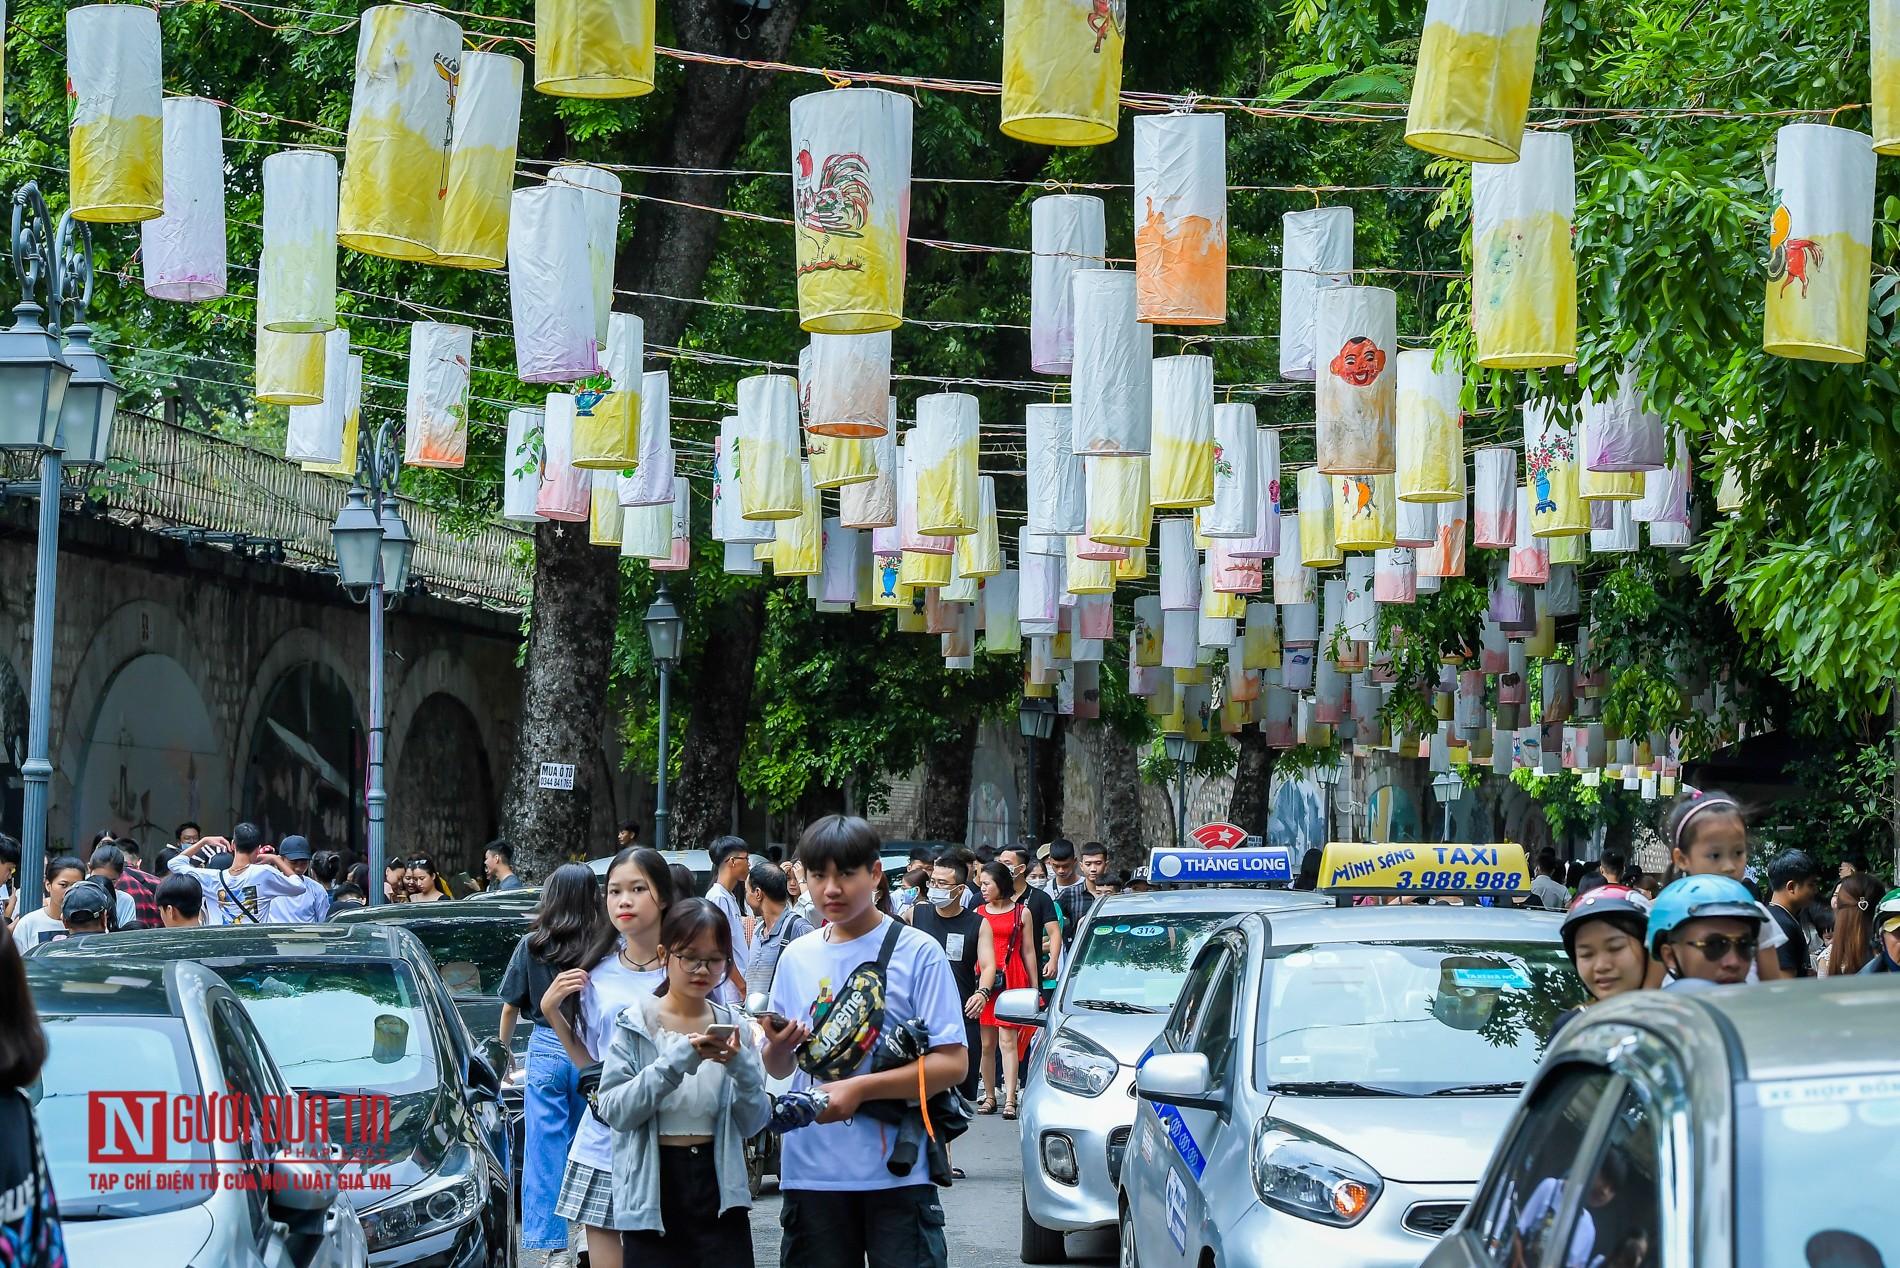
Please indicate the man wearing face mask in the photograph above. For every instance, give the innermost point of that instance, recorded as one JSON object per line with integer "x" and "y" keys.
{"x": 916, "y": 880}
{"x": 961, "y": 931}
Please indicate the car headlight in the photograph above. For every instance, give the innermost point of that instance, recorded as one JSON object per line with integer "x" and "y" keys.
{"x": 447, "y": 1198}
{"x": 1299, "y": 1175}
{"x": 1080, "y": 1065}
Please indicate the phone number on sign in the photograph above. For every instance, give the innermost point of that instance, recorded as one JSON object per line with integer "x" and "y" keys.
{"x": 1460, "y": 880}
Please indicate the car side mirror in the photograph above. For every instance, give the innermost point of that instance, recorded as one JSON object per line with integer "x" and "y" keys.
{"x": 1180, "y": 1079}
{"x": 1018, "y": 1007}
{"x": 301, "y": 1187}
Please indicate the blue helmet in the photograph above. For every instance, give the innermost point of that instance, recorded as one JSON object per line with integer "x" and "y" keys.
{"x": 1696, "y": 898}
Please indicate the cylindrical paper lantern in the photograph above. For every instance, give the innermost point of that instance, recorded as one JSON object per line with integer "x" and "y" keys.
{"x": 1446, "y": 557}
{"x": 1292, "y": 580}
{"x": 1316, "y": 255}
{"x": 646, "y": 532}
{"x": 1431, "y": 442}
{"x": 566, "y": 492}
{"x": 296, "y": 282}
{"x": 550, "y": 285}
{"x": 980, "y": 554}
{"x": 1820, "y": 244}
{"x": 1067, "y": 232}
{"x": 289, "y": 367}
{"x": 741, "y": 558}
{"x": 1494, "y": 522}
{"x": 942, "y": 448}
{"x": 1230, "y": 573}
{"x": 1180, "y": 566}
{"x": 114, "y": 83}
{"x": 768, "y": 447}
{"x": 435, "y": 430}
{"x": 850, "y": 385}
{"x": 607, "y": 415}
{"x": 1001, "y": 634}
{"x": 396, "y": 161}
{"x": 910, "y": 537}
{"x": 1550, "y": 461}
{"x": 1622, "y": 435}
{"x": 873, "y": 503}
{"x": 1234, "y": 513}
{"x": 1395, "y": 575}
{"x": 1665, "y": 497}
{"x": 1472, "y": 88}
{"x": 1417, "y": 524}
{"x": 1181, "y": 470}
{"x": 315, "y": 432}
{"x": 1133, "y": 566}
{"x": 1356, "y": 337}
{"x": 1620, "y": 538}
{"x": 1604, "y": 485}
{"x": 798, "y": 545}
{"x": 838, "y": 461}
{"x": 921, "y": 570}
{"x": 601, "y": 190}
{"x": 1062, "y": 71}
{"x": 680, "y": 521}
{"x": 345, "y": 465}
{"x": 652, "y": 481}
{"x": 1114, "y": 355}
{"x": 521, "y": 479}
{"x": 729, "y": 521}
{"x": 1318, "y": 547}
{"x": 1670, "y": 535}
{"x": 1523, "y": 274}
{"x": 1365, "y": 512}
{"x": 839, "y": 552}
{"x": 1087, "y": 576}
{"x": 1731, "y": 488}
{"x": 1566, "y": 550}
{"x": 1057, "y": 505}
{"x": 184, "y": 248}
{"x": 1119, "y": 511}
{"x": 1039, "y": 593}
{"x": 593, "y": 48}
{"x": 483, "y": 137}
{"x": 603, "y": 518}
{"x": 1181, "y": 218}
{"x": 1265, "y": 543}
{"x": 851, "y": 208}
{"x": 1530, "y": 555}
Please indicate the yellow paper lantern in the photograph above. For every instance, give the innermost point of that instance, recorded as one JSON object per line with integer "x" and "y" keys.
{"x": 607, "y": 414}
{"x": 296, "y": 283}
{"x": 1087, "y": 576}
{"x": 1181, "y": 218}
{"x": 768, "y": 447}
{"x": 1134, "y": 567}
{"x": 1118, "y": 509}
{"x": 289, "y": 366}
{"x": 593, "y": 48}
{"x": 838, "y": 461}
{"x": 1567, "y": 550}
{"x": 1884, "y": 47}
{"x": 925, "y": 571}
{"x": 483, "y": 137}
{"x": 603, "y": 520}
{"x": 798, "y": 541}
{"x": 396, "y": 160}
{"x": 1431, "y": 441}
{"x": 1550, "y": 459}
{"x": 1356, "y": 337}
{"x": 435, "y": 430}
{"x": 941, "y": 448}
{"x": 1181, "y": 472}
{"x": 1318, "y": 546}
{"x": 1062, "y": 70}
{"x": 851, "y": 208}
{"x": 1365, "y": 512}
{"x": 1002, "y": 635}
{"x": 1472, "y": 88}
{"x": 1820, "y": 244}
{"x": 1523, "y": 273}
{"x": 116, "y": 146}
{"x": 980, "y": 554}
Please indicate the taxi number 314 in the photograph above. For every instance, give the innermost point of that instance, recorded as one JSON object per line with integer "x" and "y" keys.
{"x": 1460, "y": 879}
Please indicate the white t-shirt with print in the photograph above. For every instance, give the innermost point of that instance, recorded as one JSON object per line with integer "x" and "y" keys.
{"x": 34, "y": 928}
{"x": 611, "y": 988}
{"x": 850, "y": 1156}
{"x": 721, "y": 897}
{"x": 238, "y": 896}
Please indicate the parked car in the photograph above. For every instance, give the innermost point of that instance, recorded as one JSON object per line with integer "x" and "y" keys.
{"x": 172, "y": 1031}
{"x": 358, "y": 1010}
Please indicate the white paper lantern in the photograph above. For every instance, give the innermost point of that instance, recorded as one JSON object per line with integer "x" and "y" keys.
{"x": 1446, "y": 556}
{"x": 1232, "y": 514}
{"x": 1039, "y": 593}
{"x": 728, "y": 516}
{"x": 116, "y": 138}
{"x": 1114, "y": 354}
{"x": 1068, "y": 232}
{"x": 873, "y": 503}
{"x": 838, "y": 582}
{"x": 1395, "y": 575}
{"x": 601, "y": 190}
{"x": 1181, "y": 468}
{"x": 646, "y": 532}
{"x": 566, "y": 490}
{"x": 315, "y": 432}
{"x": 550, "y": 285}
{"x": 1666, "y": 490}
{"x": 850, "y": 385}
{"x": 593, "y": 48}
{"x": 608, "y": 413}
{"x": 1494, "y": 522}
{"x": 768, "y": 446}
{"x": 652, "y": 479}
{"x": 1316, "y": 254}
{"x": 942, "y": 450}
{"x": 1293, "y": 582}
{"x": 1529, "y": 561}
{"x": 435, "y": 428}
{"x": 681, "y": 523}
{"x": 396, "y": 160}
{"x": 1431, "y": 443}
{"x": 1180, "y": 566}
{"x": 1002, "y": 636}
{"x": 1356, "y": 335}
{"x": 851, "y": 208}
{"x": 1265, "y": 543}
{"x": 1417, "y": 524}
{"x": 742, "y": 560}
{"x": 1619, "y": 435}
{"x": 1820, "y": 244}
{"x": 1116, "y": 490}
{"x": 1620, "y": 538}
{"x": 1523, "y": 273}
{"x": 183, "y": 249}
{"x": 1472, "y": 88}
{"x": 980, "y": 554}
{"x": 1054, "y": 486}
{"x": 345, "y": 465}
{"x": 1181, "y": 218}
{"x": 521, "y": 477}
{"x": 483, "y": 138}
{"x": 296, "y": 282}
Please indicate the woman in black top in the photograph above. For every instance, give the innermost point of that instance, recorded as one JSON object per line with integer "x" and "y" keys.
{"x": 29, "y": 1216}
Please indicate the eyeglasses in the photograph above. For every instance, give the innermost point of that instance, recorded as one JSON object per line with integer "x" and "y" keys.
{"x": 693, "y": 964}
{"x": 1717, "y": 946}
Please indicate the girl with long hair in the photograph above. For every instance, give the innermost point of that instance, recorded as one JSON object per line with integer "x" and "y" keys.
{"x": 425, "y": 882}
{"x": 683, "y": 1088}
{"x": 29, "y": 1214}
{"x": 1853, "y": 901}
{"x": 565, "y": 932}
{"x": 1708, "y": 836}
{"x": 1013, "y": 935}
{"x": 623, "y": 967}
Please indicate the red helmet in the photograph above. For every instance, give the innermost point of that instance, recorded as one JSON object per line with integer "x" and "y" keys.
{"x": 1627, "y": 908}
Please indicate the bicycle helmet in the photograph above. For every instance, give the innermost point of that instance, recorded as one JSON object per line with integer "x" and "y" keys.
{"x": 1698, "y": 898}
{"x": 1624, "y": 907}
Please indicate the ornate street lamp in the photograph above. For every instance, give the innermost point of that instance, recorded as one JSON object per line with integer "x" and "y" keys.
{"x": 1036, "y": 717}
{"x": 1183, "y": 752}
{"x": 664, "y": 631}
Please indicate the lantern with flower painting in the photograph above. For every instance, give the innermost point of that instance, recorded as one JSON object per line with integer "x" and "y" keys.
{"x": 435, "y": 432}
{"x": 1062, "y": 70}
{"x": 1356, "y": 394}
{"x": 1067, "y": 233}
{"x": 1233, "y": 515}
{"x": 116, "y": 133}
{"x": 183, "y": 249}
{"x": 396, "y": 159}
{"x": 1550, "y": 462}
{"x": 1820, "y": 244}
{"x": 1181, "y": 218}
{"x": 481, "y": 174}
{"x": 593, "y": 48}
{"x": 1181, "y": 469}
{"x": 1472, "y": 88}
{"x": 851, "y": 208}
{"x": 1523, "y": 273}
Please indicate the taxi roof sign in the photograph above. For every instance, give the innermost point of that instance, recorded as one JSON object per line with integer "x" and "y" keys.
{"x": 1219, "y": 836}
{"x": 1457, "y": 870}
{"x": 1268, "y": 864}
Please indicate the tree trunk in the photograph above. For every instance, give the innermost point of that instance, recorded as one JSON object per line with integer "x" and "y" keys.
{"x": 1115, "y": 775}
{"x": 1253, "y": 775}
{"x": 947, "y": 768}
{"x": 715, "y": 732}
{"x": 1051, "y": 760}
{"x": 577, "y": 586}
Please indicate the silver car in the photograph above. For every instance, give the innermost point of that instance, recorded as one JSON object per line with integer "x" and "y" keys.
{"x": 137, "y": 1180}
{"x": 1743, "y": 1127}
{"x": 1331, "y": 1082}
{"x": 1077, "y": 1107}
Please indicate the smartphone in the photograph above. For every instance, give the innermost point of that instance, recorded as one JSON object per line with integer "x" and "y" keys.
{"x": 759, "y": 1009}
{"x": 723, "y": 1033}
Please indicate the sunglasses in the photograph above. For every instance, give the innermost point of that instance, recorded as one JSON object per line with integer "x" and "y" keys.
{"x": 1717, "y": 946}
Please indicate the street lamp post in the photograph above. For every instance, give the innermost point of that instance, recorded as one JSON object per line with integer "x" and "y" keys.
{"x": 373, "y": 550}
{"x": 1182, "y": 752}
{"x": 59, "y": 401}
{"x": 1036, "y": 716}
{"x": 1448, "y": 787}
{"x": 664, "y": 628}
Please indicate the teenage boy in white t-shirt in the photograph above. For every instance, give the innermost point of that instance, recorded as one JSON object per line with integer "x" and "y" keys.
{"x": 843, "y": 1207}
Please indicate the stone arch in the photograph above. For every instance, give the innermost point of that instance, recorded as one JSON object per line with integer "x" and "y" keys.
{"x": 317, "y": 794}
{"x": 440, "y": 673}
{"x": 294, "y": 648}
{"x": 441, "y": 790}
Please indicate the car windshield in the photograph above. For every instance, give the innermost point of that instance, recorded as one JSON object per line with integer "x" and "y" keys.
{"x": 1409, "y": 1018}
{"x": 340, "y": 1026}
{"x": 471, "y": 955}
{"x": 89, "y": 1157}
{"x": 1790, "y": 1131}
{"x": 1138, "y": 961}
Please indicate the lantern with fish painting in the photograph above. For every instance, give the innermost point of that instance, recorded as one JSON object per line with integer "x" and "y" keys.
{"x": 873, "y": 503}
{"x": 1365, "y": 512}
{"x": 1318, "y": 546}
{"x": 521, "y": 477}
{"x": 435, "y": 431}
{"x": 1523, "y": 272}
{"x": 593, "y": 48}
{"x": 565, "y": 489}
{"x": 483, "y": 136}
{"x": 1550, "y": 462}
{"x": 600, "y": 193}
{"x": 1820, "y": 244}
{"x": 296, "y": 275}
{"x": 116, "y": 138}
{"x": 550, "y": 285}
{"x": 315, "y": 432}
{"x": 1114, "y": 356}
{"x": 1494, "y": 518}
{"x": 1472, "y": 88}
{"x": 1316, "y": 255}
{"x": 396, "y": 159}
{"x": 1067, "y": 233}
{"x": 942, "y": 448}
{"x": 183, "y": 249}
{"x": 851, "y": 208}
{"x": 1181, "y": 468}
{"x": 1356, "y": 396}
{"x": 1431, "y": 442}
{"x": 1181, "y": 218}
{"x": 768, "y": 447}
{"x": 607, "y": 414}
{"x": 1116, "y": 491}
{"x": 1062, "y": 70}
{"x": 651, "y": 481}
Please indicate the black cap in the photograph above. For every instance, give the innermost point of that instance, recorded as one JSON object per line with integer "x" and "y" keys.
{"x": 294, "y": 847}
{"x": 86, "y": 901}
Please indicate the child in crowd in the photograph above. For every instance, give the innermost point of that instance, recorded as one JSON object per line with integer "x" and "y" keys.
{"x": 1708, "y": 837}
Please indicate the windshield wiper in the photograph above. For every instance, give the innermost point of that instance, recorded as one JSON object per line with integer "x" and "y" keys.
{"x": 1333, "y": 1087}
{"x": 1114, "y": 1006}
{"x": 1479, "y": 1089}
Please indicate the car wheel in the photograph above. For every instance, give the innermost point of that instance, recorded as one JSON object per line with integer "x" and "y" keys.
{"x": 1041, "y": 1245}
{"x": 1128, "y": 1258}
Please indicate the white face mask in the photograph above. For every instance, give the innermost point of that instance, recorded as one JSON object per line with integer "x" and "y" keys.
{"x": 940, "y": 897}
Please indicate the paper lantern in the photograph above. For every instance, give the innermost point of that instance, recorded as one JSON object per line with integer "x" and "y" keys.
{"x": 607, "y": 414}
{"x": 1231, "y": 574}
{"x": 1039, "y": 592}
{"x": 1316, "y": 255}
{"x": 1133, "y": 566}
{"x": 600, "y": 190}
{"x": 566, "y": 491}
{"x": 1523, "y": 273}
{"x": 980, "y": 554}
{"x": 1062, "y": 70}
{"x": 1360, "y": 615}
{"x": 942, "y": 449}
{"x": 1265, "y": 542}
{"x": 1884, "y": 39}
{"x": 435, "y": 428}
{"x": 1530, "y": 555}
{"x": 116, "y": 142}
{"x": 1234, "y": 513}
{"x": 741, "y": 558}
{"x": 1181, "y": 471}
{"x": 1356, "y": 396}
{"x": 873, "y": 503}
{"x": 1417, "y": 524}
{"x": 838, "y": 551}
{"x": 521, "y": 477}
{"x": 1057, "y": 504}
{"x": 911, "y": 537}
{"x": 1666, "y": 491}
{"x": 1318, "y": 547}
{"x": 1446, "y": 556}
{"x": 1395, "y": 575}
{"x": 1365, "y": 512}
{"x": 1292, "y": 580}
{"x": 1180, "y": 566}
{"x": 850, "y": 385}
{"x": 289, "y": 367}
{"x": 345, "y": 465}
{"x": 1820, "y": 244}
{"x": 296, "y": 276}
{"x": 851, "y": 208}
{"x": 1119, "y": 512}
{"x": 1620, "y": 536}
{"x": 1114, "y": 355}
{"x": 1472, "y": 88}
{"x": 593, "y": 48}
{"x": 1001, "y": 634}
{"x": 1181, "y": 218}
{"x": 315, "y": 432}
{"x": 1431, "y": 442}
{"x": 603, "y": 519}
{"x": 1067, "y": 233}
{"x": 729, "y": 523}
{"x": 1670, "y": 535}
{"x": 1604, "y": 485}
{"x": 550, "y": 285}
{"x": 651, "y": 481}
{"x": 768, "y": 447}
{"x": 396, "y": 160}
{"x": 680, "y": 521}
{"x": 921, "y": 570}
{"x": 1179, "y": 634}
{"x": 183, "y": 249}
{"x": 1550, "y": 460}
{"x": 1566, "y": 550}
{"x": 798, "y": 541}
{"x": 1087, "y": 576}
{"x": 646, "y": 532}
{"x": 837, "y": 461}
{"x": 1494, "y": 522}
{"x": 482, "y": 141}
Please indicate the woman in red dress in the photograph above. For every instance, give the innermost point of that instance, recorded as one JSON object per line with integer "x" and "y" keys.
{"x": 1006, "y": 948}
